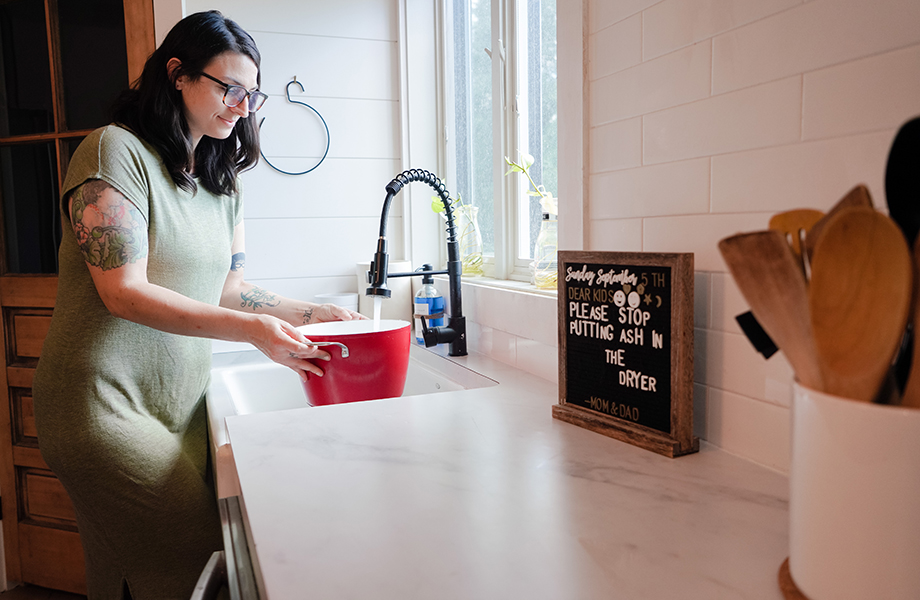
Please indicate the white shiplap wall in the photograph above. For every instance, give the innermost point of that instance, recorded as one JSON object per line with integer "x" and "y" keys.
{"x": 305, "y": 233}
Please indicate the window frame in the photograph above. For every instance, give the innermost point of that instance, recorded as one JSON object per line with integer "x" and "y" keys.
{"x": 507, "y": 65}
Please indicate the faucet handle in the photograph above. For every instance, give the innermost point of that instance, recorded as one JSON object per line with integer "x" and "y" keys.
{"x": 429, "y": 334}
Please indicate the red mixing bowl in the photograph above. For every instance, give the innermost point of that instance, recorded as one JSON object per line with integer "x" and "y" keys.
{"x": 376, "y": 366}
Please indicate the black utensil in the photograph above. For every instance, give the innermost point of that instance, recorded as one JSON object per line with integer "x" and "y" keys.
{"x": 902, "y": 180}
{"x": 902, "y": 193}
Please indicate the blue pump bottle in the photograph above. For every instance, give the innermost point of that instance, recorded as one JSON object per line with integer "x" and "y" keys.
{"x": 428, "y": 301}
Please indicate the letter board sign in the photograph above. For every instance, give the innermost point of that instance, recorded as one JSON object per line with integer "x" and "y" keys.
{"x": 626, "y": 347}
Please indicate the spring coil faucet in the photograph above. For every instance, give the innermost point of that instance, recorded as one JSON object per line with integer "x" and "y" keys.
{"x": 454, "y": 333}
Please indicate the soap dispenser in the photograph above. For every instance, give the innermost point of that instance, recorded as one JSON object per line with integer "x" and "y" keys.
{"x": 428, "y": 303}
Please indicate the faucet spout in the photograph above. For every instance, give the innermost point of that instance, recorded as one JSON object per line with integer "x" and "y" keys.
{"x": 454, "y": 333}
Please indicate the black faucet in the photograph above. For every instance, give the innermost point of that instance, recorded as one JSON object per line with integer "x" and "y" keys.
{"x": 454, "y": 333}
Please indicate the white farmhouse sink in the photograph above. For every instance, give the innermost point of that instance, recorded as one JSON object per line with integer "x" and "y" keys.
{"x": 247, "y": 382}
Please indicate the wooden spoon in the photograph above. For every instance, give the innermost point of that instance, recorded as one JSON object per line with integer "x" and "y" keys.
{"x": 859, "y": 298}
{"x": 858, "y": 197}
{"x": 770, "y": 279}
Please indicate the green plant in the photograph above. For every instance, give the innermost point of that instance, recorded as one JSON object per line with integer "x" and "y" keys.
{"x": 547, "y": 202}
{"x": 469, "y": 237}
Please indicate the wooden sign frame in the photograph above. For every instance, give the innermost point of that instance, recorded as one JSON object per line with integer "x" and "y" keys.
{"x": 679, "y": 439}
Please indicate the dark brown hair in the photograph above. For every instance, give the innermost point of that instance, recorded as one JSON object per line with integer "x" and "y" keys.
{"x": 153, "y": 107}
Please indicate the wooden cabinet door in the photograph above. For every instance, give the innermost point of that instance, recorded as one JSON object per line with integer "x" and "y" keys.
{"x": 39, "y": 527}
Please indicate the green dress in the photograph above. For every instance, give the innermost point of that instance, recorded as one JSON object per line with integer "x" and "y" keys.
{"x": 120, "y": 406}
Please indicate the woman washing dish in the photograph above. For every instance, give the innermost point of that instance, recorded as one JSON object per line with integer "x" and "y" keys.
{"x": 151, "y": 266}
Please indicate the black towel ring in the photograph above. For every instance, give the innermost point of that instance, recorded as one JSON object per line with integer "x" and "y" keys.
{"x": 287, "y": 92}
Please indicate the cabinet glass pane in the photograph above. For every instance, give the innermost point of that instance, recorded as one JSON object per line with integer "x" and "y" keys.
{"x": 91, "y": 29}
{"x": 31, "y": 223}
{"x": 25, "y": 82}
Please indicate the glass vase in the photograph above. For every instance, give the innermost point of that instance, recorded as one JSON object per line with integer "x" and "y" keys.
{"x": 543, "y": 269}
{"x": 470, "y": 239}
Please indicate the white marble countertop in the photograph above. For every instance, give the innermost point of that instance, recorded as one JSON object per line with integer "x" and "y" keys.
{"x": 482, "y": 494}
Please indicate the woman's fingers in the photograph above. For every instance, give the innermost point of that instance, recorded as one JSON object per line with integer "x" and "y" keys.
{"x": 308, "y": 351}
{"x": 334, "y": 312}
{"x": 304, "y": 367}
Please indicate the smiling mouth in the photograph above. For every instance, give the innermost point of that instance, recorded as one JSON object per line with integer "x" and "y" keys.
{"x": 228, "y": 121}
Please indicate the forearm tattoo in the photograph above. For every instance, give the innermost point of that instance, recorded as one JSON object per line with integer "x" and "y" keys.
{"x": 238, "y": 261}
{"x": 307, "y": 315}
{"x": 110, "y": 230}
{"x": 257, "y": 298}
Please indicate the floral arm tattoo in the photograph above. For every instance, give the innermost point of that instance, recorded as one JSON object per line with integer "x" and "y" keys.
{"x": 110, "y": 230}
{"x": 257, "y": 298}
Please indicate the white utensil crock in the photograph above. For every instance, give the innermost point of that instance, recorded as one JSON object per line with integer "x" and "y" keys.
{"x": 854, "y": 499}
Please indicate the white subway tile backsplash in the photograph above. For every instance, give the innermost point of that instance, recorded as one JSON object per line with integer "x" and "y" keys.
{"x": 699, "y": 234}
{"x": 803, "y": 175}
{"x": 745, "y": 108}
{"x": 669, "y": 189}
{"x": 732, "y": 364}
{"x": 498, "y": 344}
{"x": 766, "y": 115}
{"x": 755, "y": 430}
{"x": 615, "y": 48}
{"x": 727, "y": 303}
{"x": 522, "y": 314}
{"x": 615, "y": 235}
{"x": 700, "y": 401}
{"x": 673, "y": 24}
{"x": 616, "y": 146}
{"x": 811, "y": 36}
{"x": 701, "y": 300}
{"x": 879, "y": 92}
{"x": 671, "y": 80}
{"x": 537, "y": 359}
{"x": 604, "y": 13}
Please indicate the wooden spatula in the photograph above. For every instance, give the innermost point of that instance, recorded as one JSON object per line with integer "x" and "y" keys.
{"x": 793, "y": 221}
{"x": 770, "y": 279}
{"x": 859, "y": 297}
{"x": 858, "y": 197}
{"x": 796, "y": 224}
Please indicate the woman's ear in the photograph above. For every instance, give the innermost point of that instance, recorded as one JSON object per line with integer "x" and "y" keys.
{"x": 172, "y": 67}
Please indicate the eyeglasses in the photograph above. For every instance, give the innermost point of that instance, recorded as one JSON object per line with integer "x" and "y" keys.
{"x": 235, "y": 94}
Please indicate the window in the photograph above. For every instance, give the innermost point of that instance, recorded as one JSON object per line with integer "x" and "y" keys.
{"x": 500, "y": 90}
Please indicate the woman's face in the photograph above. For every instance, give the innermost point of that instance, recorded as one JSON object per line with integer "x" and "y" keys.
{"x": 205, "y": 111}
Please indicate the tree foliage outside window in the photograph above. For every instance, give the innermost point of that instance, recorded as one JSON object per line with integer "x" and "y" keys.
{"x": 527, "y": 31}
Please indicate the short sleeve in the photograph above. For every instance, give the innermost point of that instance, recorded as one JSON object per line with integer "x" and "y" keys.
{"x": 118, "y": 157}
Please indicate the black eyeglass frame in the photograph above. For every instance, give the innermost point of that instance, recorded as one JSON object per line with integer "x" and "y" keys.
{"x": 254, "y": 96}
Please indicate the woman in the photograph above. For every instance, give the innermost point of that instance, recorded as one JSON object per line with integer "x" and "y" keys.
{"x": 151, "y": 264}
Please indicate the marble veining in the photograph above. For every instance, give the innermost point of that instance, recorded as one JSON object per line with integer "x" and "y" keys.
{"x": 481, "y": 494}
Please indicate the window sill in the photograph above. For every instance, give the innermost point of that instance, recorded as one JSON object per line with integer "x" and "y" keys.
{"x": 504, "y": 284}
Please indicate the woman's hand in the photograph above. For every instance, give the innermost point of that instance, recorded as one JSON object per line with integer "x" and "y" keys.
{"x": 324, "y": 313}
{"x": 281, "y": 342}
